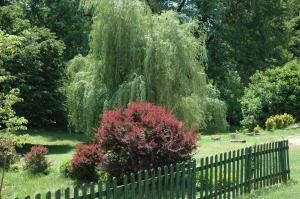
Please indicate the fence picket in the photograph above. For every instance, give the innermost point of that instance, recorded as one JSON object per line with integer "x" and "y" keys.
{"x": 147, "y": 192}
{"x": 58, "y": 194}
{"x": 84, "y": 191}
{"x": 216, "y": 178}
{"x": 166, "y": 183}
{"x": 172, "y": 178}
{"x": 48, "y": 195}
{"x": 288, "y": 159}
{"x": 140, "y": 185}
{"x": 202, "y": 181}
{"x": 220, "y": 176}
{"x": 223, "y": 184}
{"x": 153, "y": 183}
{"x": 243, "y": 171}
{"x": 100, "y": 190}
{"x": 233, "y": 175}
{"x": 206, "y": 188}
{"x": 37, "y": 196}
{"x": 67, "y": 193}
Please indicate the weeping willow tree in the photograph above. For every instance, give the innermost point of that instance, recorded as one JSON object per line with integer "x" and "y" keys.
{"x": 138, "y": 56}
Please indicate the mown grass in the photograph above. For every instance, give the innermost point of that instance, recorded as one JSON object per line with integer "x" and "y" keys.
{"x": 62, "y": 145}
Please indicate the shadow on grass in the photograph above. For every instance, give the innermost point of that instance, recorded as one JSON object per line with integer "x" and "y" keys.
{"x": 56, "y": 135}
{"x": 53, "y": 149}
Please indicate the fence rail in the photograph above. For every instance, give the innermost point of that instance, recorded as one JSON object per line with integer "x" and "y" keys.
{"x": 225, "y": 175}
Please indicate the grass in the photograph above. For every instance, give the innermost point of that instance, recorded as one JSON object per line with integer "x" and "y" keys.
{"x": 291, "y": 190}
{"x": 62, "y": 144}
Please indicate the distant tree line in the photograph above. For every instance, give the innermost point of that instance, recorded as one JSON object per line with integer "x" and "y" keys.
{"x": 216, "y": 45}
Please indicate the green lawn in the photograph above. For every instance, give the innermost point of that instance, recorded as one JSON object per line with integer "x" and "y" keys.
{"x": 61, "y": 146}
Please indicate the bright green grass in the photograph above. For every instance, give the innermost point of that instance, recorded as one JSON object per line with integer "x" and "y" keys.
{"x": 63, "y": 145}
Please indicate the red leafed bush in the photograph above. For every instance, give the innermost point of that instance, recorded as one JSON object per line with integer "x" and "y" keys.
{"x": 142, "y": 136}
{"x": 35, "y": 160}
{"x": 85, "y": 162}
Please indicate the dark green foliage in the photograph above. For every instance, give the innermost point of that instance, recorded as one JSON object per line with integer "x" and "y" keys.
{"x": 294, "y": 44}
{"x": 66, "y": 19}
{"x": 272, "y": 92}
{"x": 33, "y": 56}
{"x": 231, "y": 89}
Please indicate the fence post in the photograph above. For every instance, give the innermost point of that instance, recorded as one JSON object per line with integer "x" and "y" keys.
{"x": 283, "y": 159}
{"x": 288, "y": 160}
{"x": 248, "y": 169}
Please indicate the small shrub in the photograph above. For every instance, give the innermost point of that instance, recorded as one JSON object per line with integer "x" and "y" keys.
{"x": 270, "y": 124}
{"x": 16, "y": 167}
{"x": 8, "y": 153}
{"x": 65, "y": 168}
{"x": 142, "y": 136}
{"x": 257, "y": 129}
{"x": 35, "y": 160}
{"x": 279, "y": 121}
{"x": 85, "y": 162}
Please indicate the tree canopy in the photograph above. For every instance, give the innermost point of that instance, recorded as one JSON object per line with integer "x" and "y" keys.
{"x": 33, "y": 56}
{"x": 140, "y": 56}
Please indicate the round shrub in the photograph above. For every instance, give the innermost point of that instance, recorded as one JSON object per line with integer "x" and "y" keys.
{"x": 272, "y": 92}
{"x": 279, "y": 121}
{"x": 142, "y": 136}
{"x": 85, "y": 162}
{"x": 35, "y": 160}
{"x": 257, "y": 129}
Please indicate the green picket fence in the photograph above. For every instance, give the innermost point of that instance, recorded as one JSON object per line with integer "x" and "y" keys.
{"x": 225, "y": 175}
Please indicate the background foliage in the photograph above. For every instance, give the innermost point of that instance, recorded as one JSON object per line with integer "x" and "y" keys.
{"x": 272, "y": 92}
{"x": 33, "y": 56}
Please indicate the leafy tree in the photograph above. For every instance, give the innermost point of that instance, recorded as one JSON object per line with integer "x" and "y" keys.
{"x": 9, "y": 123}
{"x": 275, "y": 91}
{"x": 242, "y": 36}
{"x": 293, "y": 24}
{"x": 33, "y": 56}
{"x": 139, "y": 57}
{"x": 65, "y": 18}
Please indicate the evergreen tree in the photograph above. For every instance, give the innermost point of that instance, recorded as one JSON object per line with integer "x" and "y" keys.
{"x": 138, "y": 56}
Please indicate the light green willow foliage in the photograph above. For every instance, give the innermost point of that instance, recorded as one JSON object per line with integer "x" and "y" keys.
{"x": 137, "y": 56}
